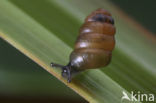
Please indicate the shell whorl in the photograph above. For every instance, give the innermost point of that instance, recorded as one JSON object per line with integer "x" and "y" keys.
{"x": 97, "y": 32}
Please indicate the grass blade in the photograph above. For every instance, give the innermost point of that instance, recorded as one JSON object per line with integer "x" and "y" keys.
{"x": 37, "y": 30}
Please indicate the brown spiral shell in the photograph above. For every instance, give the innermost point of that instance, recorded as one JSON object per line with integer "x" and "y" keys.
{"x": 94, "y": 45}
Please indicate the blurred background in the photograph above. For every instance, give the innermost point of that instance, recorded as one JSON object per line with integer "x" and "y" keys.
{"x": 141, "y": 11}
{"x": 22, "y": 80}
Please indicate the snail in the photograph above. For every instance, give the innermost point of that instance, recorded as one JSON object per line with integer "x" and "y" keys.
{"x": 94, "y": 45}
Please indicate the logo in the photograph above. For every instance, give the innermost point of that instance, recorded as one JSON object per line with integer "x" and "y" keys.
{"x": 140, "y": 97}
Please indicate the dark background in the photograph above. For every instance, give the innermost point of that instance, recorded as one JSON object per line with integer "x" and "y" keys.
{"x": 143, "y": 11}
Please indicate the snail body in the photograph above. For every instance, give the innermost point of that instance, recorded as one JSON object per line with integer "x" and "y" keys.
{"x": 94, "y": 45}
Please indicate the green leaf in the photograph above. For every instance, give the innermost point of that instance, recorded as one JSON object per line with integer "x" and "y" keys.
{"x": 45, "y": 31}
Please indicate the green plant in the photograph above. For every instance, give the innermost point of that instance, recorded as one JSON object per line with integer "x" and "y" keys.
{"x": 45, "y": 31}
